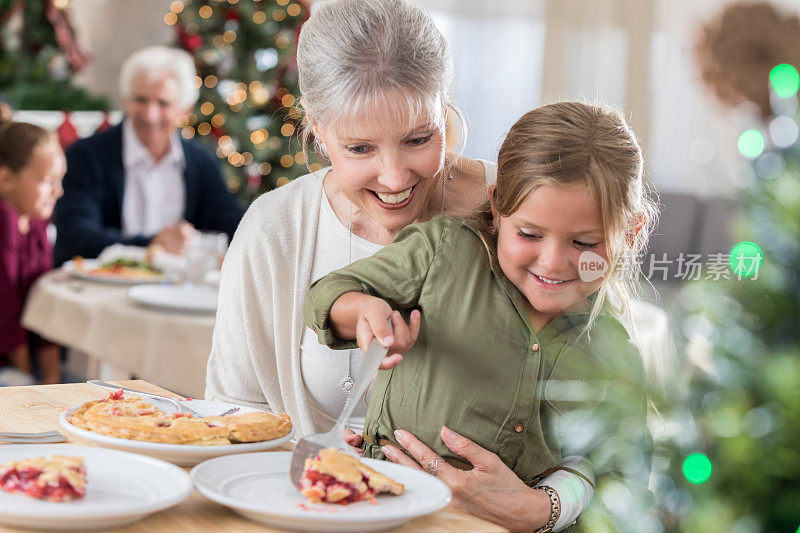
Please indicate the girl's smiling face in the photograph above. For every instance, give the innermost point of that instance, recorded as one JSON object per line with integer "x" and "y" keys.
{"x": 539, "y": 245}
{"x": 34, "y": 189}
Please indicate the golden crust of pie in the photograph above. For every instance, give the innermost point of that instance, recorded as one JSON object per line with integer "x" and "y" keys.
{"x": 134, "y": 419}
{"x": 343, "y": 467}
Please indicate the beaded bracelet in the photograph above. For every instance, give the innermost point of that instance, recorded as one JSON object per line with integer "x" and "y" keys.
{"x": 555, "y": 509}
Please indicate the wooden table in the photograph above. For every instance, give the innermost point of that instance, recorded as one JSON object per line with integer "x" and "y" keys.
{"x": 37, "y": 408}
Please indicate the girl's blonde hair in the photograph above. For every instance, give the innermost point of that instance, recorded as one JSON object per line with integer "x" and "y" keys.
{"x": 571, "y": 143}
{"x": 354, "y": 55}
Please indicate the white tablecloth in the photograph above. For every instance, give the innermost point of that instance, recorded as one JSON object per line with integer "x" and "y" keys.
{"x": 167, "y": 348}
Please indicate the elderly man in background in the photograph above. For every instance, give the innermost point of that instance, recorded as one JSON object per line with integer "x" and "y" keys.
{"x": 139, "y": 182}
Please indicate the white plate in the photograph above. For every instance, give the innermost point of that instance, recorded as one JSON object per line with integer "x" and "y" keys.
{"x": 257, "y": 486}
{"x": 180, "y": 454}
{"x": 122, "y": 488}
{"x": 90, "y": 264}
{"x": 187, "y": 298}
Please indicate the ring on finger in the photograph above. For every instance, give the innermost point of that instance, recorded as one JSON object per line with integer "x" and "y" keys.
{"x": 434, "y": 465}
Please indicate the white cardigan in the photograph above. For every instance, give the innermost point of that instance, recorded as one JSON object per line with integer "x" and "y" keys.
{"x": 265, "y": 276}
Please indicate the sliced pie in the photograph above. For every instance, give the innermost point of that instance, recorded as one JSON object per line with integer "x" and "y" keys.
{"x": 133, "y": 418}
{"x": 335, "y": 477}
{"x": 58, "y": 478}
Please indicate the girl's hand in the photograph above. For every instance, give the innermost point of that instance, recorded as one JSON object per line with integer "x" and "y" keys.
{"x": 374, "y": 318}
{"x": 490, "y": 490}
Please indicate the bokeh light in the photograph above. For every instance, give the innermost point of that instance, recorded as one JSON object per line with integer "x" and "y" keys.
{"x": 785, "y": 80}
{"x": 783, "y": 131}
{"x": 746, "y": 258}
{"x": 751, "y": 143}
{"x": 697, "y": 468}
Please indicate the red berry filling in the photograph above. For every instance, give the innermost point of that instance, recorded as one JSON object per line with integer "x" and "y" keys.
{"x": 327, "y": 485}
{"x": 26, "y": 481}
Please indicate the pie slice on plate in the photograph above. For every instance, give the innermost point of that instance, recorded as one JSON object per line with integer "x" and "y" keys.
{"x": 335, "y": 477}
{"x": 57, "y": 478}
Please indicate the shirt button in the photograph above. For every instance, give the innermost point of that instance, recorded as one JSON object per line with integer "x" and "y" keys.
{"x": 535, "y": 348}
{"x": 518, "y": 428}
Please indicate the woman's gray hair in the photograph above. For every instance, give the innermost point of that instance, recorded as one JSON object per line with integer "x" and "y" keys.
{"x": 159, "y": 62}
{"x": 354, "y": 55}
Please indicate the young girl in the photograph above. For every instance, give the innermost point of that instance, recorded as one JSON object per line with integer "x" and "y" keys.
{"x": 31, "y": 167}
{"x": 504, "y": 327}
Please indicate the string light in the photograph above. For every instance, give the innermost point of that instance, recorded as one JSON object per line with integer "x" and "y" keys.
{"x": 192, "y": 118}
{"x": 237, "y": 107}
{"x": 288, "y": 100}
{"x": 697, "y": 468}
{"x": 259, "y": 17}
{"x": 211, "y": 81}
{"x": 204, "y": 128}
{"x": 281, "y": 41}
{"x": 247, "y": 158}
{"x": 785, "y": 80}
{"x": 258, "y": 137}
{"x": 300, "y": 158}
{"x": 287, "y": 130}
{"x": 218, "y": 120}
{"x": 287, "y": 161}
{"x": 170, "y": 18}
{"x": 206, "y": 108}
{"x": 315, "y": 167}
{"x": 233, "y": 185}
{"x": 264, "y": 168}
{"x": 229, "y": 36}
{"x": 293, "y": 10}
{"x": 187, "y": 132}
{"x": 274, "y": 143}
{"x": 176, "y": 6}
{"x": 205, "y": 12}
{"x": 282, "y": 2}
{"x": 278, "y": 15}
{"x": 746, "y": 258}
{"x": 217, "y": 41}
{"x": 197, "y": 81}
{"x": 283, "y": 180}
{"x": 751, "y": 143}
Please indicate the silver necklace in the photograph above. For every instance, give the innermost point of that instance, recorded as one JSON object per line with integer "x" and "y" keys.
{"x": 347, "y": 382}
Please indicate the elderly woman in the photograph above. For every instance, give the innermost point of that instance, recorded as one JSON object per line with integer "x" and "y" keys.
{"x": 376, "y": 82}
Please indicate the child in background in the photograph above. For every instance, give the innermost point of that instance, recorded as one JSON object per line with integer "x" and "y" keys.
{"x": 500, "y": 317}
{"x": 31, "y": 167}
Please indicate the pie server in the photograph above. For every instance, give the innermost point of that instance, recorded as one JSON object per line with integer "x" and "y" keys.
{"x": 310, "y": 445}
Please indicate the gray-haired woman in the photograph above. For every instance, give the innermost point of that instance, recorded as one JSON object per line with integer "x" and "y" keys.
{"x": 376, "y": 83}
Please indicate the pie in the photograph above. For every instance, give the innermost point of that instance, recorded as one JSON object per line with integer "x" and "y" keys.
{"x": 120, "y": 268}
{"x": 133, "y": 418}
{"x": 58, "y": 478}
{"x": 335, "y": 477}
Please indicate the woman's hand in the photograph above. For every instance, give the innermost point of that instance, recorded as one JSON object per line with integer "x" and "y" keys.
{"x": 490, "y": 490}
{"x": 374, "y": 319}
{"x": 353, "y": 439}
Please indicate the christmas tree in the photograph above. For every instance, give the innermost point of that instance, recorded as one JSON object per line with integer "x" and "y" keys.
{"x": 730, "y": 460}
{"x": 39, "y": 55}
{"x": 247, "y": 73}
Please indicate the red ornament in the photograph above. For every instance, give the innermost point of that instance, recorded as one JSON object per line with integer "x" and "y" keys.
{"x": 67, "y": 134}
{"x": 232, "y": 14}
{"x": 189, "y": 41}
{"x": 217, "y": 132}
{"x": 105, "y": 124}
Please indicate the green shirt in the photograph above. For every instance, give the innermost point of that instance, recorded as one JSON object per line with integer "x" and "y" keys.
{"x": 478, "y": 366}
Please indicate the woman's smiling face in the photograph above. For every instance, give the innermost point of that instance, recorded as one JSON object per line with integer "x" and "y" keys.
{"x": 539, "y": 245}
{"x": 387, "y": 167}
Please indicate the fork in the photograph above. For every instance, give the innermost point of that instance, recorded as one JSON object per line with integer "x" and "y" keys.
{"x": 45, "y": 437}
{"x": 180, "y": 407}
{"x": 310, "y": 445}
